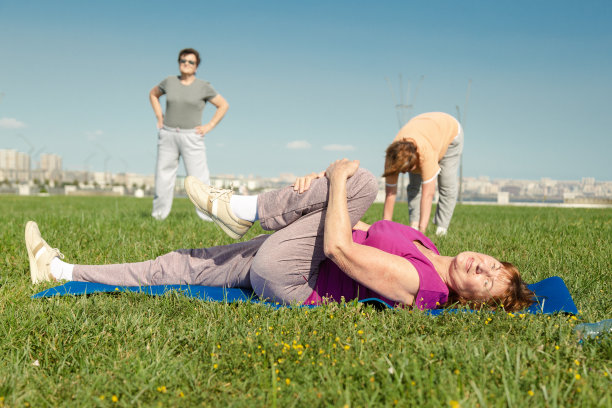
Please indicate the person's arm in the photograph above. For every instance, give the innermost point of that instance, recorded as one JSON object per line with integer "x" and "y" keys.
{"x": 222, "y": 107}
{"x": 390, "y": 195}
{"x": 362, "y": 226}
{"x": 389, "y": 275}
{"x": 154, "y": 96}
{"x": 427, "y": 195}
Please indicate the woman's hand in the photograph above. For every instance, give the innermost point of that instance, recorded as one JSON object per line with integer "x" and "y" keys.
{"x": 342, "y": 169}
{"x": 303, "y": 183}
{"x": 204, "y": 129}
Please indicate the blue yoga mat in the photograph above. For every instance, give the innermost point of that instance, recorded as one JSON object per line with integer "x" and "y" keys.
{"x": 552, "y": 296}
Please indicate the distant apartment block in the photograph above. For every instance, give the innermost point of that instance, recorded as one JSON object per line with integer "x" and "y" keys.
{"x": 51, "y": 167}
{"x": 14, "y": 166}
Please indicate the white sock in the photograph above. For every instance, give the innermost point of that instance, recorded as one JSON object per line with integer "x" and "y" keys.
{"x": 245, "y": 207}
{"x": 61, "y": 270}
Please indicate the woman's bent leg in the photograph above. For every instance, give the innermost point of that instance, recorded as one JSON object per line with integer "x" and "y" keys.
{"x": 287, "y": 264}
{"x": 279, "y": 208}
{"x": 220, "y": 266}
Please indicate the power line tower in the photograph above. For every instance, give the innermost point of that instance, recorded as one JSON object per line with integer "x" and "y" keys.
{"x": 462, "y": 120}
{"x": 403, "y": 110}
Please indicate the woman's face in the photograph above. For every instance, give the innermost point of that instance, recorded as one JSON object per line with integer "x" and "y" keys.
{"x": 188, "y": 64}
{"x": 477, "y": 276}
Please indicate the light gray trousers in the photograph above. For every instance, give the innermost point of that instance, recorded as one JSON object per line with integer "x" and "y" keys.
{"x": 448, "y": 186}
{"x": 171, "y": 145}
{"x": 283, "y": 266}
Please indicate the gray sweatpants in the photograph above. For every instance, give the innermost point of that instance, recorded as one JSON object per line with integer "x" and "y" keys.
{"x": 448, "y": 186}
{"x": 283, "y": 266}
{"x": 171, "y": 145}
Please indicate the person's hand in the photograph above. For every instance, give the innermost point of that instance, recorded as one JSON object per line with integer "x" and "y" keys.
{"x": 160, "y": 123}
{"x": 342, "y": 169}
{"x": 303, "y": 183}
{"x": 204, "y": 129}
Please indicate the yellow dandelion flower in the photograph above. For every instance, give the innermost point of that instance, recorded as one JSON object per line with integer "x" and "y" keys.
{"x": 218, "y": 346}
{"x": 556, "y": 347}
{"x": 605, "y": 374}
{"x": 511, "y": 314}
{"x": 215, "y": 366}
{"x": 114, "y": 398}
{"x": 577, "y": 376}
{"x": 431, "y": 355}
{"x": 530, "y": 393}
{"x": 347, "y": 347}
{"x": 102, "y": 397}
{"x": 412, "y": 383}
{"x": 574, "y": 318}
{"x": 454, "y": 404}
{"x": 457, "y": 371}
{"x": 287, "y": 381}
{"x": 522, "y": 315}
{"x": 181, "y": 394}
{"x": 577, "y": 362}
{"x": 314, "y": 332}
{"x": 359, "y": 331}
{"x": 371, "y": 379}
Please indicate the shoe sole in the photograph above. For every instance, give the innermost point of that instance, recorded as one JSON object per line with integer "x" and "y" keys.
{"x": 216, "y": 220}
{"x": 33, "y": 267}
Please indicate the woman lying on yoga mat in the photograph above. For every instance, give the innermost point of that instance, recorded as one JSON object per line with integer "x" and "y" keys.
{"x": 319, "y": 250}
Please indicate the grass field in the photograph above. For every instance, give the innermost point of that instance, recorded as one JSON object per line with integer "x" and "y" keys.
{"x": 129, "y": 349}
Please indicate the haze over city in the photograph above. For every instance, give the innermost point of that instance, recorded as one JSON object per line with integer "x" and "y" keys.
{"x": 306, "y": 82}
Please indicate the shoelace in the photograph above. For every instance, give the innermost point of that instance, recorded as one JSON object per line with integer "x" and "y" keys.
{"x": 59, "y": 254}
{"x": 217, "y": 193}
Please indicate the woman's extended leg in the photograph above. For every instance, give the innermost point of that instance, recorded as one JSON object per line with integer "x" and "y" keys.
{"x": 286, "y": 266}
{"x": 221, "y": 266}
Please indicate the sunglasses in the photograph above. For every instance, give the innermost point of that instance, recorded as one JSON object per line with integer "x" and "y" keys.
{"x": 184, "y": 61}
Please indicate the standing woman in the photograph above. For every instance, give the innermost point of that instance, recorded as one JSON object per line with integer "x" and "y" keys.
{"x": 429, "y": 147}
{"x": 181, "y": 132}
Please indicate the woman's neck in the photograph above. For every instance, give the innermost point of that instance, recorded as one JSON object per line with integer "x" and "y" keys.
{"x": 441, "y": 263}
{"x": 187, "y": 79}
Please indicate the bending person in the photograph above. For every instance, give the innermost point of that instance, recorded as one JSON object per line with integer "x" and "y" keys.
{"x": 181, "y": 132}
{"x": 319, "y": 250}
{"x": 429, "y": 147}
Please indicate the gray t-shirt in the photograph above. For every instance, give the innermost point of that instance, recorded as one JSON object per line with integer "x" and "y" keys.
{"x": 185, "y": 103}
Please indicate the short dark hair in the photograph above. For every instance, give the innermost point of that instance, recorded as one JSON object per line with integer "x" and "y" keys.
{"x": 186, "y": 51}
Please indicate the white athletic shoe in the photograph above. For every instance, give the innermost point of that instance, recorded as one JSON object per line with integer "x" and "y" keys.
{"x": 215, "y": 203}
{"x": 40, "y": 268}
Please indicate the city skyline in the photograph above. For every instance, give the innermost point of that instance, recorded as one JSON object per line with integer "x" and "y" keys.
{"x": 307, "y": 82}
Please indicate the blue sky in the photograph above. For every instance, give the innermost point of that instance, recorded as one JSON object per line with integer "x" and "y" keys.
{"x": 75, "y": 77}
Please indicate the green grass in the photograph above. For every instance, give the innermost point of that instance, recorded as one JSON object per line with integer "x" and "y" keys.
{"x": 175, "y": 351}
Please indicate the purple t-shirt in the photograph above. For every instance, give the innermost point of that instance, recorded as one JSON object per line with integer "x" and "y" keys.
{"x": 396, "y": 239}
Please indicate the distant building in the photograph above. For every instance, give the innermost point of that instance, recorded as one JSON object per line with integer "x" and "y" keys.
{"x": 14, "y": 166}
{"x": 51, "y": 167}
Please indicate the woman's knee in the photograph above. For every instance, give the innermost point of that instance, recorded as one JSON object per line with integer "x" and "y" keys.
{"x": 366, "y": 182}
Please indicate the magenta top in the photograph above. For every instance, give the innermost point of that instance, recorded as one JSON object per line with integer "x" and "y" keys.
{"x": 396, "y": 239}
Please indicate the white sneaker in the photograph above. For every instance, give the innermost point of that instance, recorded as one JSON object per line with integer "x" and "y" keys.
{"x": 40, "y": 268}
{"x": 215, "y": 203}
